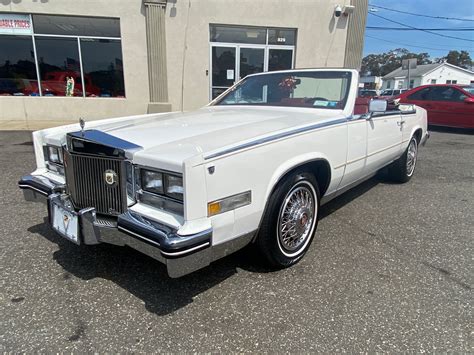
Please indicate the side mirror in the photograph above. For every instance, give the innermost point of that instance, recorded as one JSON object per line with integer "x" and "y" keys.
{"x": 469, "y": 100}
{"x": 377, "y": 106}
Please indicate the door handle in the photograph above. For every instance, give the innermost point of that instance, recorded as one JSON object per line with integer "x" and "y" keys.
{"x": 401, "y": 123}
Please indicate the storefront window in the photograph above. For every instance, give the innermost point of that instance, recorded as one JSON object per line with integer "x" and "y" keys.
{"x": 58, "y": 60}
{"x": 76, "y": 26}
{"x": 280, "y": 59}
{"x": 66, "y": 50}
{"x": 103, "y": 68}
{"x": 17, "y": 66}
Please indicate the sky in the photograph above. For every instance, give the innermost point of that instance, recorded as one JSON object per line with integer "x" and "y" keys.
{"x": 417, "y": 41}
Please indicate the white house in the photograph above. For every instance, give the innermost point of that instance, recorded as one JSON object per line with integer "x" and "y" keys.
{"x": 439, "y": 73}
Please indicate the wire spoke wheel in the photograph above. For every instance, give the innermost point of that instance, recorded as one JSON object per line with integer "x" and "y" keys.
{"x": 412, "y": 153}
{"x": 297, "y": 218}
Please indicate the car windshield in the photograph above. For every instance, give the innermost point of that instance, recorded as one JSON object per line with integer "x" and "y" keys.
{"x": 387, "y": 93}
{"x": 469, "y": 89}
{"x": 316, "y": 89}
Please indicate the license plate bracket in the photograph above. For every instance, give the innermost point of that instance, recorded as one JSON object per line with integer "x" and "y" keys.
{"x": 65, "y": 223}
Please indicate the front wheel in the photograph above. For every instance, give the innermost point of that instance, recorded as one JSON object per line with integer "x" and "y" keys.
{"x": 403, "y": 169}
{"x": 290, "y": 220}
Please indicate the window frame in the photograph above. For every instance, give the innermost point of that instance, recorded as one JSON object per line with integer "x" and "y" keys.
{"x": 78, "y": 38}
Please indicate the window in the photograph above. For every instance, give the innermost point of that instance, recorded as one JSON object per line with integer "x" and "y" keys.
{"x": 412, "y": 84}
{"x": 76, "y": 26}
{"x": 58, "y": 60}
{"x": 422, "y": 94}
{"x": 280, "y": 59}
{"x": 17, "y": 66}
{"x": 451, "y": 81}
{"x": 443, "y": 93}
{"x": 235, "y": 34}
{"x": 325, "y": 90}
{"x": 103, "y": 68}
{"x": 66, "y": 50}
{"x": 389, "y": 84}
{"x": 282, "y": 36}
{"x": 433, "y": 81}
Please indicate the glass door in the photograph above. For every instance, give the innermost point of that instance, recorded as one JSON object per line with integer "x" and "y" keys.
{"x": 223, "y": 68}
{"x": 280, "y": 58}
{"x": 252, "y": 60}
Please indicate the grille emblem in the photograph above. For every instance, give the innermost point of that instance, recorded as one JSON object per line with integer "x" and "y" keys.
{"x": 110, "y": 178}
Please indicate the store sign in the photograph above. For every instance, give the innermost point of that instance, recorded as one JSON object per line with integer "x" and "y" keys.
{"x": 15, "y": 24}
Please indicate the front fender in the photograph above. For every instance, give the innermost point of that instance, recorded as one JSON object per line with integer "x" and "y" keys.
{"x": 292, "y": 164}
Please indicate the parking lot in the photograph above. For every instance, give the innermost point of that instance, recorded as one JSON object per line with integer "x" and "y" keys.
{"x": 391, "y": 269}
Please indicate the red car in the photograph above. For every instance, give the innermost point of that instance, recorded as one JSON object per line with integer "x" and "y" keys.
{"x": 447, "y": 105}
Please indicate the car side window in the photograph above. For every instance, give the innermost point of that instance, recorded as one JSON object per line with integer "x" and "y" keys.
{"x": 444, "y": 93}
{"x": 420, "y": 95}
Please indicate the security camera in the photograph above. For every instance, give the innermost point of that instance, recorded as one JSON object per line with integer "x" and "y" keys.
{"x": 338, "y": 11}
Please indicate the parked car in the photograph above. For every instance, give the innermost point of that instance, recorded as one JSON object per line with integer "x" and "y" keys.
{"x": 368, "y": 93}
{"x": 253, "y": 166}
{"x": 447, "y": 105}
{"x": 391, "y": 93}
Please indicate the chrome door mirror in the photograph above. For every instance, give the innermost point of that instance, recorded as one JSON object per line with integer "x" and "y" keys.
{"x": 377, "y": 106}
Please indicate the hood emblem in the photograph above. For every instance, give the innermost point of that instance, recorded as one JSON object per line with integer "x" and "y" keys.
{"x": 82, "y": 123}
{"x": 111, "y": 178}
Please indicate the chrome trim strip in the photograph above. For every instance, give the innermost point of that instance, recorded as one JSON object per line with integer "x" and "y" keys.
{"x": 276, "y": 137}
{"x": 178, "y": 253}
{"x": 138, "y": 236}
{"x": 32, "y": 188}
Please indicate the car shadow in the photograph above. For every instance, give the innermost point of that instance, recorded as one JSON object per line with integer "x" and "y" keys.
{"x": 147, "y": 279}
{"x": 454, "y": 130}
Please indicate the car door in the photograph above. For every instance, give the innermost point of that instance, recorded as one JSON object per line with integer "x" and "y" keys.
{"x": 384, "y": 139}
{"x": 421, "y": 98}
{"x": 449, "y": 107}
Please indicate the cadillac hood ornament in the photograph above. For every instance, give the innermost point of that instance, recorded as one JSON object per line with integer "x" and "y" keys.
{"x": 82, "y": 123}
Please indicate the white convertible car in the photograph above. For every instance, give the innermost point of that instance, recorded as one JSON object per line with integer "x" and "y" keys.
{"x": 253, "y": 166}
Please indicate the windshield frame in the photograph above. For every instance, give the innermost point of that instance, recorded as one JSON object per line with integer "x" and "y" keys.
{"x": 218, "y": 100}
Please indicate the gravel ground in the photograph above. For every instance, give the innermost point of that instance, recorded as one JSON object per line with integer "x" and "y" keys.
{"x": 391, "y": 270}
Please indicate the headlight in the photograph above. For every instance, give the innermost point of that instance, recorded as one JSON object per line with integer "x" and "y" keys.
{"x": 54, "y": 154}
{"x": 152, "y": 181}
{"x": 161, "y": 190}
{"x": 174, "y": 187}
{"x": 54, "y": 159}
{"x": 162, "y": 183}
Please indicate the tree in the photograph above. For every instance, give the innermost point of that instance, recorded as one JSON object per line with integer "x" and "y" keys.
{"x": 461, "y": 59}
{"x": 384, "y": 63}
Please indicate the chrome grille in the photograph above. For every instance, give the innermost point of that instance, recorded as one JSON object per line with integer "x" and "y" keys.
{"x": 85, "y": 177}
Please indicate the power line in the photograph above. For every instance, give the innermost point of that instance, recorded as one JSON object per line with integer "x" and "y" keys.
{"x": 466, "y": 29}
{"x": 409, "y": 45}
{"x": 422, "y": 15}
{"x": 422, "y": 30}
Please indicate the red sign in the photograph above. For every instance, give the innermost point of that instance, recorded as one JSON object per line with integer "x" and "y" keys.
{"x": 15, "y": 24}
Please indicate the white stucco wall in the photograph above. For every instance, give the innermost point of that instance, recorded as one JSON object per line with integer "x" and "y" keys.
{"x": 132, "y": 23}
{"x": 448, "y": 73}
{"x": 321, "y": 38}
{"x": 321, "y": 41}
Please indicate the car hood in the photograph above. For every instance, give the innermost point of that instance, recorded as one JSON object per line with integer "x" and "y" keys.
{"x": 172, "y": 138}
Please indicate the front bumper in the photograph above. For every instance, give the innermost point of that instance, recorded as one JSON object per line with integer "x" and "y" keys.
{"x": 180, "y": 254}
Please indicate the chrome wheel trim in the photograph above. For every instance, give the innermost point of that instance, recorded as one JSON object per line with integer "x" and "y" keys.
{"x": 297, "y": 219}
{"x": 411, "y": 157}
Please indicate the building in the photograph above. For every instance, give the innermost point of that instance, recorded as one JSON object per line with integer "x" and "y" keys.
{"x": 370, "y": 82}
{"x": 61, "y": 60}
{"x": 439, "y": 73}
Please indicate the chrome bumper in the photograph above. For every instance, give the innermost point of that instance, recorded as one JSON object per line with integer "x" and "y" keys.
{"x": 181, "y": 254}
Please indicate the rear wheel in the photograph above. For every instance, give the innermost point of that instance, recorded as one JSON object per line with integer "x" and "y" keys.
{"x": 290, "y": 220}
{"x": 403, "y": 169}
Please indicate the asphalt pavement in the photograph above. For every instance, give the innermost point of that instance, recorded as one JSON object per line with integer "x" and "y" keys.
{"x": 391, "y": 269}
